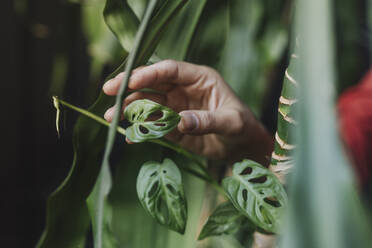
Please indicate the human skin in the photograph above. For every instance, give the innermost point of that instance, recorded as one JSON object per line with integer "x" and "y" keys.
{"x": 214, "y": 123}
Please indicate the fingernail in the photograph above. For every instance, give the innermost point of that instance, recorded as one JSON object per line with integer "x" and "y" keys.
{"x": 189, "y": 121}
{"x": 108, "y": 114}
{"x": 107, "y": 85}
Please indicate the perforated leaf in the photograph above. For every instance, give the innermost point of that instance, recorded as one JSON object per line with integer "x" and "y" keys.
{"x": 160, "y": 190}
{"x": 141, "y": 114}
{"x": 256, "y": 193}
{"x": 225, "y": 219}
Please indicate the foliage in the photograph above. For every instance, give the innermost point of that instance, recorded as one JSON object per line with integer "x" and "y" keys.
{"x": 325, "y": 210}
{"x": 245, "y": 48}
{"x": 73, "y": 219}
{"x": 225, "y": 219}
{"x": 256, "y": 193}
{"x": 142, "y": 129}
{"x": 160, "y": 190}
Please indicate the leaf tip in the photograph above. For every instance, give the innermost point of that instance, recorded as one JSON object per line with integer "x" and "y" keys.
{"x": 58, "y": 113}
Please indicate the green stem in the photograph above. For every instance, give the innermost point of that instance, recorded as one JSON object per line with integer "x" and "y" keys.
{"x": 88, "y": 114}
{"x": 204, "y": 176}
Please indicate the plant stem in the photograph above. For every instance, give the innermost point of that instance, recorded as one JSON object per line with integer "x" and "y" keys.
{"x": 88, "y": 114}
{"x": 204, "y": 176}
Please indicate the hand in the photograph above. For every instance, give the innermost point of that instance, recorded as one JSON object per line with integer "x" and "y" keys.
{"x": 214, "y": 122}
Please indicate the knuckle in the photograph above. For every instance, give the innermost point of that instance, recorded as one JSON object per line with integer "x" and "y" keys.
{"x": 170, "y": 68}
{"x": 169, "y": 64}
{"x": 209, "y": 121}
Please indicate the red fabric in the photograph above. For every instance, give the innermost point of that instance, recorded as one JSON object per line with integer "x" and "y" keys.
{"x": 355, "y": 111}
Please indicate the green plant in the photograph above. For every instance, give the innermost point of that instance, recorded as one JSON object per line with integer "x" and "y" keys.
{"x": 96, "y": 201}
{"x": 255, "y": 198}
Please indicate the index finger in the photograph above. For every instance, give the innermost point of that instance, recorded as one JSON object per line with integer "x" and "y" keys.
{"x": 167, "y": 71}
{"x": 161, "y": 76}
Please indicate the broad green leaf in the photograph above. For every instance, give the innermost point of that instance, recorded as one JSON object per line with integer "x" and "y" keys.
{"x": 160, "y": 190}
{"x": 224, "y": 220}
{"x": 175, "y": 44}
{"x": 165, "y": 12}
{"x": 138, "y": 6}
{"x": 142, "y": 129}
{"x": 256, "y": 193}
{"x": 209, "y": 38}
{"x": 122, "y": 21}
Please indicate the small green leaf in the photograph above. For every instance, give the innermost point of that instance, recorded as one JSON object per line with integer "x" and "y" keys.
{"x": 257, "y": 193}
{"x": 160, "y": 190}
{"x": 224, "y": 220}
{"x": 140, "y": 113}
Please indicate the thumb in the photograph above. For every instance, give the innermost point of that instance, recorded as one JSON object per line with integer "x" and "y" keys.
{"x": 199, "y": 122}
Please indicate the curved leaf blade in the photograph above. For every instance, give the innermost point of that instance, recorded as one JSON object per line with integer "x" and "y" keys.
{"x": 160, "y": 190}
{"x": 257, "y": 193}
{"x": 225, "y": 219}
{"x": 122, "y": 21}
{"x": 142, "y": 129}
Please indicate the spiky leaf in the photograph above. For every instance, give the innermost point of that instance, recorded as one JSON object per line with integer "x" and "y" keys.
{"x": 140, "y": 113}
{"x": 256, "y": 193}
{"x": 224, "y": 220}
{"x": 160, "y": 190}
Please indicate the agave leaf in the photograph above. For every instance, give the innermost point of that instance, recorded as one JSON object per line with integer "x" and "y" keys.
{"x": 256, "y": 193}
{"x": 143, "y": 129}
{"x": 224, "y": 220}
{"x": 160, "y": 190}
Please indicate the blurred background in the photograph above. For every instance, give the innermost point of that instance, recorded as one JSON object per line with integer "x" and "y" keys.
{"x": 63, "y": 48}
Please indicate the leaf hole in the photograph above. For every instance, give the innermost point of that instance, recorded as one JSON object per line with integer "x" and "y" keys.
{"x": 164, "y": 171}
{"x": 246, "y": 171}
{"x": 160, "y": 124}
{"x": 273, "y": 202}
{"x": 158, "y": 114}
{"x": 261, "y": 179}
{"x": 171, "y": 189}
{"x": 154, "y": 174}
{"x": 153, "y": 190}
{"x": 143, "y": 129}
{"x": 245, "y": 194}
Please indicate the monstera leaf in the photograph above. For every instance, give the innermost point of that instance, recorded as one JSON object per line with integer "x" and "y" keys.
{"x": 224, "y": 220}
{"x": 160, "y": 190}
{"x": 256, "y": 193}
{"x": 141, "y": 112}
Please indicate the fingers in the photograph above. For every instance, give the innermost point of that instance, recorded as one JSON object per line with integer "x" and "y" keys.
{"x": 111, "y": 87}
{"x": 224, "y": 122}
{"x": 161, "y": 99}
{"x": 160, "y": 76}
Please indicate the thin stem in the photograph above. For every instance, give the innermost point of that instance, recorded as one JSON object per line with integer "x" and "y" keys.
{"x": 89, "y": 114}
{"x": 204, "y": 176}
